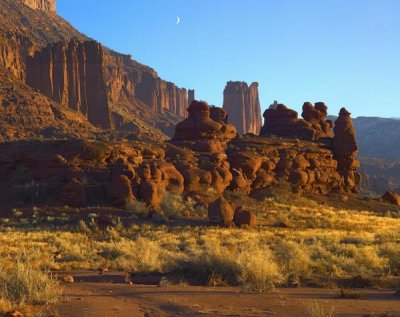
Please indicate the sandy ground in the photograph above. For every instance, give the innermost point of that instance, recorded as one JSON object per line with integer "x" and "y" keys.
{"x": 107, "y": 295}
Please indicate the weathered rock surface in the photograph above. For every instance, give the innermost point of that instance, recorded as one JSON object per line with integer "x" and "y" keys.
{"x": 242, "y": 104}
{"x": 131, "y": 88}
{"x": 345, "y": 149}
{"x": 201, "y": 133}
{"x": 284, "y": 122}
{"x": 44, "y": 5}
{"x": 392, "y": 197}
{"x": 244, "y": 218}
{"x": 73, "y": 74}
{"x": 221, "y": 212}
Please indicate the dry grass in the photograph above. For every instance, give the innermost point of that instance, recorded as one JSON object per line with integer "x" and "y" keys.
{"x": 22, "y": 284}
{"x": 323, "y": 243}
{"x": 315, "y": 309}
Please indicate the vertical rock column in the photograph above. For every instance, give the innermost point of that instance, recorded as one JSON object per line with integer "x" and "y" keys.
{"x": 345, "y": 150}
{"x": 73, "y": 74}
{"x": 242, "y": 104}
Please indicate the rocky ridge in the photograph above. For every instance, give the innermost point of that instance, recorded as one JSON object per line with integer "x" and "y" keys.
{"x": 204, "y": 159}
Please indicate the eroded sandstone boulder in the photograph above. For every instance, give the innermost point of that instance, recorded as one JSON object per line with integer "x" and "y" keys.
{"x": 392, "y": 197}
{"x": 221, "y": 213}
{"x": 284, "y": 122}
{"x": 244, "y": 217}
{"x": 120, "y": 191}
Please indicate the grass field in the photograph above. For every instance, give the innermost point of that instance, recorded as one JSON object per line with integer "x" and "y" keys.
{"x": 299, "y": 242}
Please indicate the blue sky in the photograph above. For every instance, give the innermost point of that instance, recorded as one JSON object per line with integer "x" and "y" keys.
{"x": 343, "y": 52}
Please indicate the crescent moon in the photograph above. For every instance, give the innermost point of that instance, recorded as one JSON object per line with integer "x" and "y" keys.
{"x": 178, "y": 20}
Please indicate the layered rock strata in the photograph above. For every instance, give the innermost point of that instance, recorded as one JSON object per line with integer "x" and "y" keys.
{"x": 73, "y": 74}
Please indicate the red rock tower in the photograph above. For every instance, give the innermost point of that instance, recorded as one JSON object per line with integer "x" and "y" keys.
{"x": 242, "y": 104}
{"x": 191, "y": 96}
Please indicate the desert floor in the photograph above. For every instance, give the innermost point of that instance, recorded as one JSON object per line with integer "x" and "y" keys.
{"x": 107, "y": 295}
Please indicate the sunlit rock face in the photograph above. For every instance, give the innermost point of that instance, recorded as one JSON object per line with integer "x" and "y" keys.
{"x": 242, "y": 104}
{"x": 45, "y": 5}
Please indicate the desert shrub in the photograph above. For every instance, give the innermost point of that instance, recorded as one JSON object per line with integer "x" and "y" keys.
{"x": 93, "y": 151}
{"x": 21, "y": 283}
{"x": 258, "y": 270}
{"x": 174, "y": 205}
{"x": 315, "y": 309}
{"x": 292, "y": 258}
{"x": 137, "y": 208}
{"x": 368, "y": 263}
{"x": 392, "y": 252}
{"x": 145, "y": 256}
{"x": 253, "y": 267}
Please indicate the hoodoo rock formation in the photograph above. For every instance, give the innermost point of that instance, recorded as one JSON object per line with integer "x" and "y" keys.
{"x": 45, "y": 5}
{"x": 284, "y": 122}
{"x": 345, "y": 149}
{"x": 242, "y": 104}
{"x": 73, "y": 74}
{"x": 209, "y": 133}
{"x": 191, "y": 96}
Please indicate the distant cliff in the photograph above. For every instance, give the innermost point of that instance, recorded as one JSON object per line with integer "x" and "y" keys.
{"x": 242, "y": 104}
{"x": 377, "y": 137}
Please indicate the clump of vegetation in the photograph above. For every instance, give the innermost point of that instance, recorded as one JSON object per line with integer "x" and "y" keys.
{"x": 174, "y": 205}
{"x": 255, "y": 269}
{"x": 137, "y": 208}
{"x": 23, "y": 284}
{"x": 315, "y": 309}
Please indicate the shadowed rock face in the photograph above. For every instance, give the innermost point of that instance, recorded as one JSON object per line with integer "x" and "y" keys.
{"x": 242, "y": 104}
{"x": 284, "y": 122}
{"x": 199, "y": 125}
{"x": 45, "y": 5}
{"x": 345, "y": 149}
{"x": 73, "y": 74}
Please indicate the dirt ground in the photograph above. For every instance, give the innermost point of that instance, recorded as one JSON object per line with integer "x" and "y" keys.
{"x": 108, "y": 295}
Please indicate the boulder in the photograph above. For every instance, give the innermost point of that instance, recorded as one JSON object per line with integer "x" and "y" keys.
{"x": 221, "y": 213}
{"x": 120, "y": 191}
{"x": 244, "y": 218}
{"x": 392, "y": 197}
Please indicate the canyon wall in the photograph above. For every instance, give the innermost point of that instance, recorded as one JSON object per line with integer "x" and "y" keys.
{"x": 242, "y": 104}
{"x": 127, "y": 81}
{"x": 73, "y": 74}
{"x": 45, "y": 5}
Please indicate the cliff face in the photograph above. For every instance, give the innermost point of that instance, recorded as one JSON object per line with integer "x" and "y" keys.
{"x": 45, "y": 5}
{"x": 73, "y": 74}
{"x": 133, "y": 90}
{"x": 242, "y": 104}
{"x": 128, "y": 81}
{"x": 10, "y": 56}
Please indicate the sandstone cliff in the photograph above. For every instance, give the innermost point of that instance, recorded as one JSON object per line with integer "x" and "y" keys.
{"x": 242, "y": 104}
{"x": 45, "y": 5}
{"x": 136, "y": 95}
{"x": 73, "y": 74}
